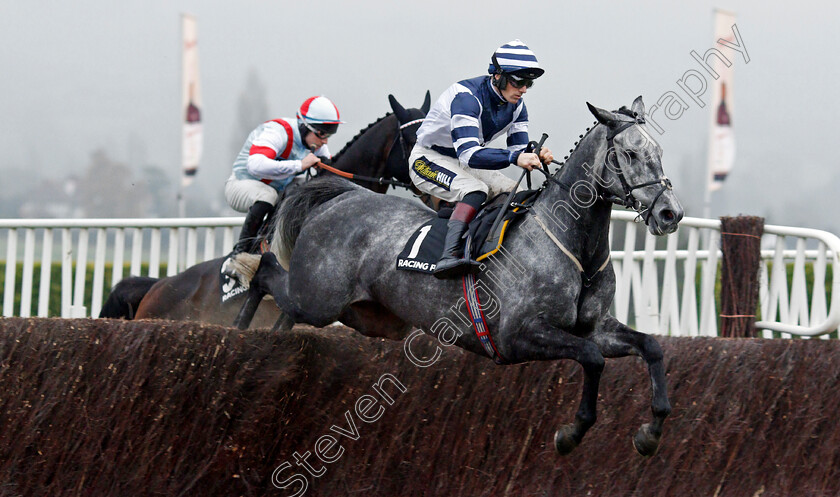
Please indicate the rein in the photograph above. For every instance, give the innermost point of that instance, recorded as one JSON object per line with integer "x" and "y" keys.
{"x": 382, "y": 180}
{"x": 345, "y": 174}
{"x": 628, "y": 200}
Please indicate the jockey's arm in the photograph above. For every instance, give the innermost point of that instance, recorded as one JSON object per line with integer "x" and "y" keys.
{"x": 465, "y": 112}
{"x": 263, "y": 159}
{"x": 262, "y": 165}
{"x": 517, "y": 139}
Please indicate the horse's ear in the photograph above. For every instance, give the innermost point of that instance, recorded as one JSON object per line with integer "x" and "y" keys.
{"x": 399, "y": 110}
{"x": 638, "y": 106}
{"x": 427, "y": 104}
{"x": 603, "y": 116}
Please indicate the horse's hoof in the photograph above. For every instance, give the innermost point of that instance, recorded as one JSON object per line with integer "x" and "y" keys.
{"x": 645, "y": 441}
{"x": 564, "y": 440}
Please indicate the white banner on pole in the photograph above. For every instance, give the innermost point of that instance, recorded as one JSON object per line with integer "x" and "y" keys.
{"x": 721, "y": 154}
{"x": 193, "y": 138}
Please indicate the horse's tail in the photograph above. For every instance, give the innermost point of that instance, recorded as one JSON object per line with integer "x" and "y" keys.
{"x": 297, "y": 206}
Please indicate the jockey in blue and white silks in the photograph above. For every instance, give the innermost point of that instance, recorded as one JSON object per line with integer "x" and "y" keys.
{"x": 470, "y": 114}
{"x": 451, "y": 160}
{"x": 272, "y": 156}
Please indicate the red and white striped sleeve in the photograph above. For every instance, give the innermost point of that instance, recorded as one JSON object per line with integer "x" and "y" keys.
{"x": 264, "y": 158}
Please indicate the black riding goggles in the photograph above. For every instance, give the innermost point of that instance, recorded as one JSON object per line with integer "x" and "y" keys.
{"x": 519, "y": 83}
{"x": 319, "y": 133}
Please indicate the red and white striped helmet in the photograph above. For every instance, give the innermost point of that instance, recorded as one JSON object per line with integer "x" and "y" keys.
{"x": 319, "y": 113}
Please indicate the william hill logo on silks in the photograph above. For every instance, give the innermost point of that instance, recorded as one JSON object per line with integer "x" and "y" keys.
{"x": 432, "y": 172}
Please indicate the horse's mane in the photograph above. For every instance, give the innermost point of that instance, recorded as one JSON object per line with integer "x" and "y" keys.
{"x": 577, "y": 143}
{"x": 298, "y": 205}
{"x": 358, "y": 135}
{"x": 623, "y": 110}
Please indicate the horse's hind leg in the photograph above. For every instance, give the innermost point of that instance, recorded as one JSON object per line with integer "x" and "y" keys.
{"x": 616, "y": 339}
{"x": 542, "y": 343}
{"x": 283, "y": 323}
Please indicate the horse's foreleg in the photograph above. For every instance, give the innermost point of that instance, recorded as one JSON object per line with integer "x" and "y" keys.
{"x": 553, "y": 344}
{"x": 249, "y": 308}
{"x": 616, "y": 339}
{"x": 269, "y": 278}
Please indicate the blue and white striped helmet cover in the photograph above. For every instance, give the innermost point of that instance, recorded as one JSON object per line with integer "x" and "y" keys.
{"x": 515, "y": 56}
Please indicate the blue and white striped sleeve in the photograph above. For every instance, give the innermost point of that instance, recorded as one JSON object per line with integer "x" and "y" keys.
{"x": 517, "y": 138}
{"x": 466, "y": 112}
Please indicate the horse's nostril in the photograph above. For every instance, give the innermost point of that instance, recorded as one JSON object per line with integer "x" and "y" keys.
{"x": 668, "y": 215}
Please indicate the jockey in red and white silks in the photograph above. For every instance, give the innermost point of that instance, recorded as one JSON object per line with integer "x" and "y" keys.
{"x": 273, "y": 155}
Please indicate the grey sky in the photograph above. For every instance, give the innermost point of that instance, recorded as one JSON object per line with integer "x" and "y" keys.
{"x": 82, "y": 75}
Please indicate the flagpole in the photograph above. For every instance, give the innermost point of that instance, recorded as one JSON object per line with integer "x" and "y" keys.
{"x": 721, "y": 146}
{"x": 182, "y": 203}
{"x": 191, "y": 126}
{"x": 180, "y": 206}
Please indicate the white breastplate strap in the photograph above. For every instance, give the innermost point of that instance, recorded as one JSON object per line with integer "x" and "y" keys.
{"x": 564, "y": 249}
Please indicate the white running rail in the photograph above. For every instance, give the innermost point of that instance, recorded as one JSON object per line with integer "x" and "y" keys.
{"x": 146, "y": 239}
{"x": 664, "y": 285}
{"x": 668, "y": 286}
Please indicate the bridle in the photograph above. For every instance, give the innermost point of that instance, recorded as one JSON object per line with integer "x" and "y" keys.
{"x": 393, "y": 163}
{"x": 628, "y": 200}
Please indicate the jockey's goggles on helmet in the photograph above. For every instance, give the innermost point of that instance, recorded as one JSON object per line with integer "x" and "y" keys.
{"x": 322, "y": 131}
{"x": 518, "y": 82}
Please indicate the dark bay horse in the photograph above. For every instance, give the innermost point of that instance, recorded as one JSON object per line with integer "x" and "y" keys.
{"x": 547, "y": 297}
{"x": 379, "y": 151}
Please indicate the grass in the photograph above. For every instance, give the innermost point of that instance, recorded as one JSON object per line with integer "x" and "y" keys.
{"x": 54, "y": 307}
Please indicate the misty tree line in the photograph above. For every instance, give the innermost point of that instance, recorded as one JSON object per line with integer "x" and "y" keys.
{"x": 109, "y": 188}
{"x": 106, "y": 188}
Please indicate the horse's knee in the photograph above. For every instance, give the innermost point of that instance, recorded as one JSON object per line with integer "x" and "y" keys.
{"x": 591, "y": 359}
{"x": 651, "y": 349}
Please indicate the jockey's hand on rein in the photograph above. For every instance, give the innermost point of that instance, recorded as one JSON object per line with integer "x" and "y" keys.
{"x": 325, "y": 160}
{"x": 308, "y": 161}
{"x": 528, "y": 161}
{"x": 546, "y": 155}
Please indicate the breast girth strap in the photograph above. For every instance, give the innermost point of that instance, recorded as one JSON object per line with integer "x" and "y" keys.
{"x": 587, "y": 279}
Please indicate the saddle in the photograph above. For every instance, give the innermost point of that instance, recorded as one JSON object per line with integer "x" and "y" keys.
{"x": 425, "y": 246}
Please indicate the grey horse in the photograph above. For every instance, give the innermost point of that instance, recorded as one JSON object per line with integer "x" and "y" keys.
{"x": 546, "y": 296}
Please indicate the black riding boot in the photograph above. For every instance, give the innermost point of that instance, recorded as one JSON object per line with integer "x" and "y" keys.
{"x": 251, "y": 227}
{"x": 452, "y": 263}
